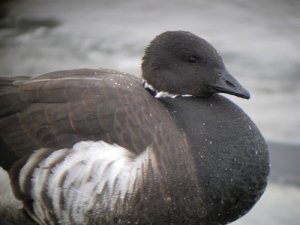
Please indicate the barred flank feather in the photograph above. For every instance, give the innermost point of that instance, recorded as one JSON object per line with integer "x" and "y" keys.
{"x": 90, "y": 178}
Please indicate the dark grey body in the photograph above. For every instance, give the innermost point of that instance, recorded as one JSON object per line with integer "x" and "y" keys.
{"x": 213, "y": 162}
{"x": 210, "y": 162}
{"x": 231, "y": 155}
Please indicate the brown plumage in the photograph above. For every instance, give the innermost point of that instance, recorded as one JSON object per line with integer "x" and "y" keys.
{"x": 97, "y": 146}
{"x": 57, "y": 110}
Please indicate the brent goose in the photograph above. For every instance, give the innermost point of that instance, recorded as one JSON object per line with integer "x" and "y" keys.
{"x": 97, "y": 146}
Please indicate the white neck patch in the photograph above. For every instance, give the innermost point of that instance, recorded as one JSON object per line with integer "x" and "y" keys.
{"x": 162, "y": 94}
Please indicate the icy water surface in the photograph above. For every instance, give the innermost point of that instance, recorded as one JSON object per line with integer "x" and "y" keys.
{"x": 258, "y": 39}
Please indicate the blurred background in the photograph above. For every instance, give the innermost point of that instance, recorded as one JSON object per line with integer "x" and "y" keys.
{"x": 258, "y": 40}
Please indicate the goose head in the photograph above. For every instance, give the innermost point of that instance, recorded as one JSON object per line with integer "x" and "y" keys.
{"x": 181, "y": 63}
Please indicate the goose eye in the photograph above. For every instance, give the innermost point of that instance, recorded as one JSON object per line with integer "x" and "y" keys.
{"x": 193, "y": 60}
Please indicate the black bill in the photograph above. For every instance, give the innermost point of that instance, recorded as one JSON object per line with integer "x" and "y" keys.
{"x": 229, "y": 85}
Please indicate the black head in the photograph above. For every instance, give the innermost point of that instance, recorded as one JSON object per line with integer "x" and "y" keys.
{"x": 182, "y": 63}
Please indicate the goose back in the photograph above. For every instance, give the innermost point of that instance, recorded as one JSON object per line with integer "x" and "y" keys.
{"x": 55, "y": 111}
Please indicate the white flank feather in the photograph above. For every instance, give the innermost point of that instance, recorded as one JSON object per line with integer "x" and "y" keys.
{"x": 89, "y": 170}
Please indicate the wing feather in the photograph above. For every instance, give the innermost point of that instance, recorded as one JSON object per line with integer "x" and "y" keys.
{"x": 57, "y": 110}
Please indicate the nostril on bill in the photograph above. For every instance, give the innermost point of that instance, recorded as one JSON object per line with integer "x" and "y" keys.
{"x": 230, "y": 84}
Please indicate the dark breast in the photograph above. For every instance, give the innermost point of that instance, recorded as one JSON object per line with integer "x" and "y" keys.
{"x": 231, "y": 155}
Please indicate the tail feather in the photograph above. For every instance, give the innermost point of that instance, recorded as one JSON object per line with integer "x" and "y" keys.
{"x": 9, "y": 81}
{"x": 10, "y": 101}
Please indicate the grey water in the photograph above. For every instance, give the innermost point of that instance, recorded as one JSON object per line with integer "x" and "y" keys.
{"x": 258, "y": 40}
